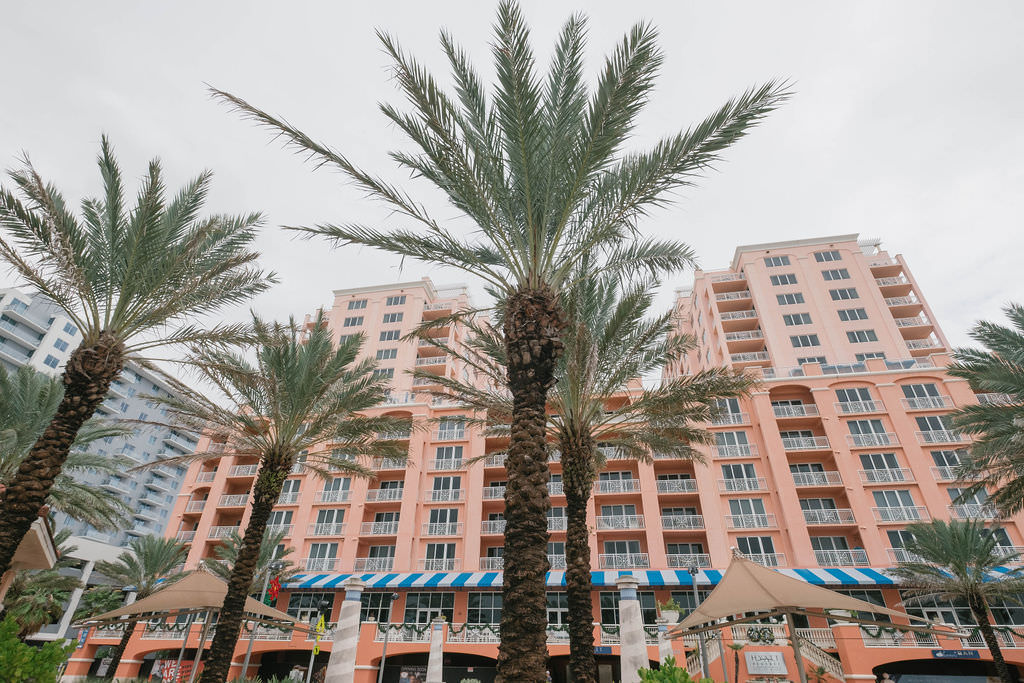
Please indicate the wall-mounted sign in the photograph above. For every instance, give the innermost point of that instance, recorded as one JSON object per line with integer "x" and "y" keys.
{"x": 765, "y": 663}
{"x": 603, "y": 650}
{"x": 956, "y": 654}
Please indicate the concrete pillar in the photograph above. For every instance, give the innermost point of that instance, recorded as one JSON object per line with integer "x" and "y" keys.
{"x": 341, "y": 667}
{"x": 76, "y": 598}
{"x": 435, "y": 662}
{"x": 632, "y": 637}
{"x": 664, "y": 644}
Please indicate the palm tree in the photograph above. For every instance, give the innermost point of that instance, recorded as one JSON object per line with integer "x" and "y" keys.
{"x": 28, "y": 401}
{"x": 301, "y": 394}
{"x": 227, "y": 556}
{"x": 995, "y": 460}
{"x": 599, "y": 409}
{"x": 37, "y": 598}
{"x": 98, "y": 600}
{"x": 130, "y": 279}
{"x": 736, "y": 647}
{"x": 149, "y": 563}
{"x": 538, "y": 168}
{"x": 956, "y": 561}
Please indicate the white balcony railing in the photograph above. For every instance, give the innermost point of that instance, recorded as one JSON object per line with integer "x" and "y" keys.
{"x": 378, "y": 528}
{"x": 744, "y": 335}
{"x": 442, "y": 529}
{"x": 891, "y": 281}
{"x": 743, "y": 450}
{"x": 940, "y": 436}
{"x": 742, "y": 484}
{"x": 320, "y": 564}
{"x": 795, "y": 411}
{"x": 495, "y": 460}
{"x": 994, "y": 399}
{"x": 556, "y": 561}
{"x": 492, "y": 526}
{"x": 195, "y": 506}
{"x": 497, "y": 492}
{"x": 433, "y": 360}
{"x": 902, "y": 301}
{"x": 728, "y": 277}
{"x": 805, "y": 443}
{"x": 690, "y": 560}
{"x": 450, "y": 435}
{"x": 927, "y": 403}
{"x": 327, "y": 529}
{"x": 749, "y": 357}
{"x": 610, "y": 522}
{"x": 829, "y": 478}
{"x": 444, "y": 495}
{"x": 474, "y": 633}
{"x": 752, "y": 521}
{"x": 730, "y": 419}
{"x": 290, "y": 498}
{"x": 234, "y": 501}
{"x": 738, "y": 315}
{"x": 677, "y": 485}
{"x": 185, "y": 536}
{"x": 374, "y": 564}
{"x": 556, "y": 488}
{"x": 389, "y": 463}
{"x": 447, "y": 464}
{"x": 383, "y": 495}
{"x": 907, "y": 513}
{"x": 339, "y": 496}
{"x": 678, "y": 522}
{"x": 206, "y": 477}
{"x": 902, "y": 555}
{"x": 439, "y": 564}
{"x": 243, "y": 470}
{"x": 826, "y": 517}
{"x": 733, "y": 296}
{"x": 618, "y": 486}
{"x": 624, "y": 561}
{"x": 886, "y": 476}
{"x": 873, "y": 440}
{"x": 397, "y": 435}
{"x": 973, "y": 511}
{"x": 492, "y": 564}
{"x": 768, "y": 559}
{"x": 917, "y": 344}
{"x": 841, "y": 558}
{"x": 557, "y": 523}
{"x": 222, "y": 531}
{"x": 853, "y": 407}
{"x": 285, "y": 529}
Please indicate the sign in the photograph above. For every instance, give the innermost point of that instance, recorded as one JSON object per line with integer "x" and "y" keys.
{"x": 321, "y": 628}
{"x": 603, "y": 650}
{"x": 956, "y": 654}
{"x": 771, "y": 663}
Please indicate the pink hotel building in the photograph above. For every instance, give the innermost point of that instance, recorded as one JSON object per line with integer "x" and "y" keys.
{"x": 817, "y": 473}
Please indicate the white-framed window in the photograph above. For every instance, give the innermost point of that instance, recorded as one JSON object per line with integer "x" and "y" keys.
{"x": 356, "y": 304}
{"x": 375, "y": 606}
{"x": 826, "y": 256}
{"x": 60, "y": 344}
{"x": 52, "y": 362}
{"x": 835, "y": 274}
{"x": 756, "y": 545}
{"x": 802, "y": 340}
{"x": 783, "y": 279}
{"x": 392, "y": 318}
{"x": 861, "y": 357}
{"x": 775, "y": 261}
{"x": 484, "y": 608}
{"x": 821, "y": 360}
{"x": 861, "y": 336}
{"x": 792, "y": 319}
{"x": 390, "y": 335}
{"x": 848, "y": 314}
{"x": 395, "y": 300}
{"x": 387, "y": 354}
{"x": 387, "y": 373}
{"x": 70, "y": 330}
{"x": 354, "y": 321}
{"x": 843, "y": 294}
{"x": 790, "y": 299}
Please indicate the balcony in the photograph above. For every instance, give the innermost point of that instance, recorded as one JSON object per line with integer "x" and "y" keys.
{"x": 439, "y": 564}
{"x": 378, "y": 529}
{"x": 617, "y": 486}
{"x": 222, "y": 531}
{"x": 895, "y": 301}
{"x": 927, "y": 403}
{"x": 492, "y": 564}
{"x": 285, "y": 529}
{"x": 855, "y": 407}
{"x": 829, "y": 517}
{"x": 397, "y": 435}
{"x": 973, "y": 511}
{"x": 767, "y": 559}
{"x": 243, "y": 471}
{"x": 339, "y": 496}
{"x": 1010, "y": 551}
{"x": 444, "y": 495}
{"x": 290, "y": 498}
{"x": 195, "y": 506}
{"x": 994, "y": 399}
{"x": 490, "y": 527}
{"x": 497, "y": 492}
{"x": 742, "y": 484}
{"x": 723, "y": 419}
{"x": 373, "y": 564}
{"x": 450, "y": 435}
{"x": 873, "y": 440}
{"x": 738, "y": 315}
{"x": 677, "y": 486}
{"x": 618, "y": 522}
{"x": 116, "y": 487}
{"x": 841, "y": 558}
{"x": 691, "y": 560}
{"x": 442, "y": 529}
{"x": 817, "y": 479}
{"x": 940, "y": 436}
{"x": 923, "y": 344}
{"x": 682, "y": 522}
{"x": 886, "y": 476}
{"x": 915, "y": 321}
{"x": 556, "y": 561}
{"x": 623, "y": 561}
{"x": 439, "y": 306}
{"x": 431, "y": 360}
{"x": 784, "y": 412}
{"x": 556, "y": 488}
{"x": 555, "y": 455}
{"x": 447, "y": 464}
{"x": 744, "y": 335}
{"x": 897, "y": 281}
{"x": 206, "y": 477}
{"x": 234, "y": 501}
{"x": 185, "y": 536}
{"x": 752, "y": 521}
{"x": 320, "y": 564}
{"x": 900, "y": 514}
{"x": 805, "y": 443}
{"x": 325, "y": 529}
{"x": 384, "y": 495}
{"x": 557, "y": 523}
{"x": 903, "y": 555}
{"x": 733, "y": 296}
{"x": 750, "y": 357}
{"x": 495, "y": 460}
{"x": 736, "y": 451}
{"x": 389, "y": 464}
{"x": 728, "y": 277}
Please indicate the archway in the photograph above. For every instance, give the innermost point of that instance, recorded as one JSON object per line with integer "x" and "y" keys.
{"x": 458, "y": 668}
{"x": 941, "y": 671}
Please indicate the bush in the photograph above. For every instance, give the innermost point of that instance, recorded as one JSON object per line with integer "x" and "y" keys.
{"x": 21, "y": 663}
{"x": 669, "y": 673}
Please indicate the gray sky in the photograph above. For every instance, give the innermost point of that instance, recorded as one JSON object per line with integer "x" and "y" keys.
{"x": 906, "y": 124}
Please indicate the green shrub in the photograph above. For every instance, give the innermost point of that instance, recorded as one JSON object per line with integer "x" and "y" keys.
{"x": 21, "y": 663}
{"x": 669, "y": 673}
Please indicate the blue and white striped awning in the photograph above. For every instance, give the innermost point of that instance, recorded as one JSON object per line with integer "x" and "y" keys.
{"x": 862, "y": 576}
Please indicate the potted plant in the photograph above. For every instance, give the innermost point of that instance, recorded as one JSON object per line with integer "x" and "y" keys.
{"x": 670, "y": 610}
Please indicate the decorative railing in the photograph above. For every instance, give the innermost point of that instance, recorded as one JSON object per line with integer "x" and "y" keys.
{"x": 828, "y": 478}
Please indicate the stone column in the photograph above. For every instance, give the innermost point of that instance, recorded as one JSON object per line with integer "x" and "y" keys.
{"x": 435, "y": 663}
{"x": 632, "y": 637}
{"x": 664, "y": 644}
{"x": 341, "y": 667}
{"x": 76, "y": 598}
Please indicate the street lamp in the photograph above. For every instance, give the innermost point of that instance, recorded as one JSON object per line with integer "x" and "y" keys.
{"x": 321, "y": 607}
{"x": 696, "y": 603}
{"x": 272, "y": 568}
{"x": 387, "y": 631}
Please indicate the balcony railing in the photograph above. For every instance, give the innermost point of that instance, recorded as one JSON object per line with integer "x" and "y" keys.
{"x": 495, "y": 460}
{"x": 795, "y": 411}
{"x": 320, "y": 564}
{"x": 444, "y": 495}
{"x": 677, "y": 485}
{"x": 1010, "y": 551}
{"x": 744, "y": 335}
{"x": 618, "y": 486}
{"x": 677, "y": 522}
{"x": 450, "y": 435}
{"x": 497, "y": 492}
{"x": 902, "y": 301}
{"x": 378, "y": 528}
{"x": 852, "y": 407}
{"x": 691, "y": 560}
{"x": 383, "y": 495}
{"x": 389, "y": 463}
{"x": 826, "y": 517}
{"x": 730, "y": 419}
{"x": 400, "y": 633}
{"x": 927, "y": 403}
{"x": 610, "y": 522}
{"x": 940, "y": 436}
{"x": 439, "y": 564}
{"x": 327, "y": 529}
{"x": 736, "y": 451}
{"x": 915, "y": 321}
{"x": 994, "y": 399}
{"x": 290, "y": 498}
{"x": 898, "y": 639}
{"x": 873, "y": 440}
{"x": 285, "y": 529}
{"x": 624, "y": 561}
{"x": 917, "y": 344}
{"x": 222, "y": 531}
{"x": 830, "y": 478}
{"x": 339, "y": 496}
{"x": 738, "y": 315}
{"x": 433, "y": 360}
{"x": 185, "y": 536}
{"x": 397, "y": 435}
{"x": 195, "y": 506}
{"x": 234, "y": 501}
{"x": 374, "y": 564}
{"x": 556, "y": 561}
{"x": 901, "y": 514}
{"x": 447, "y": 464}
{"x": 891, "y": 281}
{"x": 749, "y": 357}
{"x": 733, "y": 296}
{"x": 841, "y": 558}
{"x": 902, "y": 555}
{"x": 973, "y": 511}
{"x": 557, "y": 523}
{"x": 492, "y": 526}
{"x": 886, "y": 476}
{"x": 742, "y": 484}
{"x": 728, "y": 277}
{"x": 243, "y": 470}
{"x": 556, "y": 488}
{"x": 206, "y": 477}
{"x": 491, "y": 564}
{"x": 805, "y": 443}
{"x": 767, "y": 559}
{"x": 474, "y": 633}
{"x": 752, "y": 521}
{"x": 442, "y": 529}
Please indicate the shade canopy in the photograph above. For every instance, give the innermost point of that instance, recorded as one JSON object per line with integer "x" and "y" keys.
{"x": 200, "y": 591}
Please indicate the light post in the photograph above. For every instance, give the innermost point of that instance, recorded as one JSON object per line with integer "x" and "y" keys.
{"x": 321, "y": 606}
{"x": 272, "y": 568}
{"x": 700, "y": 637}
{"x": 387, "y": 631}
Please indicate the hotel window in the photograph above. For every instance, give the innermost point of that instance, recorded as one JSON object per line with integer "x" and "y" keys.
{"x": 558, "y": 608}
{"x": 893, "y": 498}
{"x": 829, "y": 543}
{"x": 327, "y": 518}
{"x": 739, "y": 507}
{"x": 836, "y": 274}
{"x": 685, "y": 548}
{"x": 802, "y": 340}
{"x": 899, "y": 538}
{"x": 848, "y": 314}
{"x": 866, "y": 427}
{"x": 950, "y": 459}
{"x": 60, "y": 345}
{"x": 354, "y": 321}
{"x": 387, "y": 354}
{"x": 732, "y": 443}
{"x": 70, "y": 329}
{"x": 821, "y": 360}
{"x": 843, "y": 294}
{"x": 854, "y": 395}
{"x": 306, "y": 606}
{"x": 861, "y": 357}
{"x": 448, "y": 457}
{"x": 882, "y": 461}
{"x": 53, "y": 362}
{"x": 783, "y": 279}
{"x": 933, "y": 423}
{"x": 972, "y": 498}
{"x": 421, "y": 608}
{"x": 797, "y": 319}
{"x": 861, "y": 336}
{"x": 825, "y": 256}
{"x": 756, "y": 545}
{"x": 387, "y": 373}
{"x": 345, "y": 337}
{"x": 484, "y": 608}
{"x": 390, "y": 335}
{"x": 789, "y": 299}
{"x": 610, "y": 607}
{"x": 375, "y": 607}
{"x": 685, "y": 598}
{"x": 392, "y": 318}
{"x": 775, "y": 261}
{"x": 356, "y": 304}
{"x": 279, "y": 518}
{"x": 395, "y": 300}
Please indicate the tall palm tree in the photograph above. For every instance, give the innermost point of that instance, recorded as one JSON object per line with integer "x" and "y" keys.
{"x": 537, "y": 167}
{"x": 599, "y": 408}
{"x": 131, "y": 279}
{"x": 28, "y": 401}
{"x": 227, "y": 555}
{"x": 37, "y": 598}
{"x": 300, "y": 394}
{"x": 149, "y": 563}
{"x": 956, "y": 561}
{"x": 995, "y": 460}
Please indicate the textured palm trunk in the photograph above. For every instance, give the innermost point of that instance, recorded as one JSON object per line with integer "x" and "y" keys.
{"x": 533, "y": 325}
{"x": 980, "y": 612}
{"x": 265, "y": 494}
{"x": 129, "y": 629}
{"x": 87, "y": 378}
{"x": 578, "y": 474}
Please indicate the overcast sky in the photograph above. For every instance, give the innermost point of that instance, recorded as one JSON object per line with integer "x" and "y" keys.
{"x": 906, "y": 124}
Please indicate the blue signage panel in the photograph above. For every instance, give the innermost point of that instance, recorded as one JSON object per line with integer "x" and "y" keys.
{"x": 603, "y": 650}
{"x": 956, "y": 654}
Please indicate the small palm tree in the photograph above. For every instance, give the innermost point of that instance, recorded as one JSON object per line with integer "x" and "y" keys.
{"x": 301, "y": 394}
{"x": 98, "y": 600}
{"x": 956, "y": 561}
{"x": 131, "y": 278}
{"x": 149, "y": 563}
{"x": 227, "y": 555}
{"x": 28, "y": 401}
{"x": 538, "y": 168}
{"x": 37, "y": 598}
{"x": 995, "y": 460}
{"x": 736, "y": 647}
{"x": 819, "y": 674}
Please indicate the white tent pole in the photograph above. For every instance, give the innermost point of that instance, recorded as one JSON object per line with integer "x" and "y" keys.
{"x": 184, "y": 642}
{"x": 796, "y": 647}
{"x": 202, "y": 643}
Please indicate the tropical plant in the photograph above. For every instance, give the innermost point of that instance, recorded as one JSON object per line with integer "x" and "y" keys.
{"x": 957, "y": 561}
{"x": 995, "y": 459}
{"x": 227, "y": 555}
{"x": 819, "y": 674}
{"x": 28, "y": 401}
{"x": 669, "y": 673}
{"x": 670, "y": 605}
{"x": 98, "y": 600}
{"x": 37, "y": 597}
{"x": 23, "y": 663}
{"x": 130, "y": 279}
{"x": 149, "y": 563}
{"x": 538, "y": 168}
{"x": 736, "y": 647}
{"x": 301, "y": 394}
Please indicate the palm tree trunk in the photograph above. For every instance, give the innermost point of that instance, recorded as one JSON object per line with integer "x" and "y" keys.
{"x": 265, "y": 494}
{"x": 533, "y": 324}
{"x": 129, "y": 629}
{"x": 87, "y": 378}
{"x": 577, "y": 479}
{"x": 980, "y": 612}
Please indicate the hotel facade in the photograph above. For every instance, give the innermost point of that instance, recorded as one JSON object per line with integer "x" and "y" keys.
{"x": 843, "y": 443}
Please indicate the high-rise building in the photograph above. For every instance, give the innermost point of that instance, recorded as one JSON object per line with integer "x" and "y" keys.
{"x": 35, "y": 332}
{"x": 817, "y": 473}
